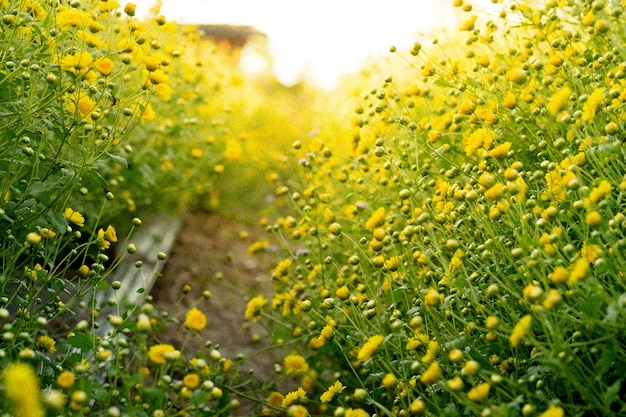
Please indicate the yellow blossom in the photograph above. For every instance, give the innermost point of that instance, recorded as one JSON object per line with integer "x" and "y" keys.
{"x": 21, "y": 389}
{"x": 294, "y": 397}
{"x": 233, "y": 150}
{"x": 369, "y": 348}
{"x": 559, "y": 100}
{"x": 479, "y": 393}
{"x": 432, "y": 374}
{"x": 591, "y": 104}
{"x": 376, "y": 219}
{"x": 46, "y": 343}
{"x": 553, "y": 411}
{"x": 104, "y": 66}
{"x": 255, "y": 307}
{"x": 500, "y": 151}
{"x": 520, "y": 331}
{"x": 295, "y": 365}
{"x": 282, "y": 268}
{"x": 195, "y": 319}
{"x": 66, "y": 379}
{"x": 579, "y": 271}
{"x": 332, "y": 391}
{"x": 78, "y": 63}
{"x": 191, "y": 381}
{"x": 74, "y": 217}
{"x": 157, "y": 353}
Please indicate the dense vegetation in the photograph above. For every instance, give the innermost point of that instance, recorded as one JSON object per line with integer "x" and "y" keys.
{"x": 457, "y": 249}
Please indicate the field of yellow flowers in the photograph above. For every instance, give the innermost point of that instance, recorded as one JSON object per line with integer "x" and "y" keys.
{"x": 452, "y": 233}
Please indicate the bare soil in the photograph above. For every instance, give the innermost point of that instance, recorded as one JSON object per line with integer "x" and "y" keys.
{"x": 210, "y": 255}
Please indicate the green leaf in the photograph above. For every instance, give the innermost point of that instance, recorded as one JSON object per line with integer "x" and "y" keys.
{"x": 80, "y": 341}
{"x": 118, "y": 159}
{"x": 57, "y": 221}
{"x": 612, "y": 393}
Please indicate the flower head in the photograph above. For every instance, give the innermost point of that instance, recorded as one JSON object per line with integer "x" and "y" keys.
{"x": 332, "y": 391}
{"x": 195, "y": 319}
{"x": 254, "y": 307}
{"x": 369, "y": 348}
{"x": 157, "y": 353}
{"x": 21, "y": 388}
{"x": 295, "y": 365}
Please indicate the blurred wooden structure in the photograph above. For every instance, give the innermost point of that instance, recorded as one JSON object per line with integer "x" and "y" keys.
{"x": 230, "y": 38}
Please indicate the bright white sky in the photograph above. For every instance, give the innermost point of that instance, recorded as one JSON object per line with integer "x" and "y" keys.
{"x": 319, "y": 40}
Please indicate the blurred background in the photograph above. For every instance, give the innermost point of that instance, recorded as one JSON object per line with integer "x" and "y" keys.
{"x": 317, "y": 41}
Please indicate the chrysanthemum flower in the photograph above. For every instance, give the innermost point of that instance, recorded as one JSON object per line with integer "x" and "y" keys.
{"x": 74, "y": 217}
{"x": 255, "y": 307}
{"x": 332, "y": 391}
{"x": 21, "y": 389}
{"x": 195, "y": 319}
{"x": 295, "y": 365}
{"x": 294, "y": 397}
{"x": 479, "y": 393}
{"x": 369, "y": 348}
{"x": 520, "y": 331}
{"x": 157, "y": 353}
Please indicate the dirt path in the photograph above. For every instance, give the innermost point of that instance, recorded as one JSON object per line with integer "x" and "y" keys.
{"x": 210, "y": 255}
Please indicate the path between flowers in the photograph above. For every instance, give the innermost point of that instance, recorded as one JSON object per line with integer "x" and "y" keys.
{"x": 209, "y": 254}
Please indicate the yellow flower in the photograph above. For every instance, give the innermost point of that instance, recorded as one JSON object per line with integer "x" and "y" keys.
{"x": 500, "y": 151}
{"x": 233, "y": 150}
{"x": 602, "y": 190}
{"x": 104, "y": 66}
{"x": 294, "y": 397}
{"x": 369, "y": 348}
{"x": 559, "y": 275}
{"x": 255, "y": 307}
{"x": 74, "y": 217}
{"x": 47, "y": 344}
{"x": 376, "y": 219}
{"x": 82, "y": 106}
{"x": 21, "y": 388}
{"x": 72, "y": 18}
{"x": 106, "y": 237}
{"x": 479, "y": 393}
{"x": 275, "y": 399}
{"x": 332, "y": 391}
{"x": 282, "y": 268}
{"x": 579, "y": 271}
{"x": 158, "y": 77}
{"x": 553, "y": 411}
{"x": 195, "y": 319}
{"x": 295, "y": 365}
{"x": 559, "y": 100}
{"x": 479, "y": 138}
{"x": 520, "y": 331}
{"x": 468, "y": 24}
{"x": 78, "y": 63}
{"x": 432, "y": 374}
{"x": 191, "y": 381}
{"x": 66, "y": 379}
{"x": 157, "y": 353}
{"x": 591, "y": 105}
{"x": 355, "y": 412}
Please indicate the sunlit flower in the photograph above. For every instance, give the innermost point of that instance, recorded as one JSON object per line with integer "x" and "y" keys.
{"x": 355, "y": 412}
{"x": 590, "y": 107}
{"x": 553, "y": 411}
{"x": 195, "y": 319}
{"x": 233, "y": 150}
{"x": 520, "y": 331}
{"x": 295, "y": 365}
{"x": 255, "y": 307}
{"x": 479, "y": 393}
{"x": 72, "y": 18}
{"x": 559, "y": 100}
{"x": 500, "y": 151}
{"x": 157, "y": 353}
{"x": 74, "y": 217}
{"x": 282, "y": 268}
{"x": 468, "y": 24}
{"x": 579, "y": 271}
{"x": 369, "y": 348}
{"x": 191, "y": 381}
{"x": 46, "y": 343}
{"x": 21, "y": 389}
{"x": 432, "y": 374}
{"x": 66, "y": 379}
{"x": 332, "y": 391}
{"x": 376, "y": 219}
{"x": 106, "y": 237}
{"x": 275, "y": 399}
{"x": 78, "y": 63}
{"x": 104, "y": 66}
{"x": 81, "y": 106}
{"x": 294, "y": 397}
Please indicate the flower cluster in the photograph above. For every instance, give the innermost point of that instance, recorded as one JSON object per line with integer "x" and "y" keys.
{"x": 464, "y": 242}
